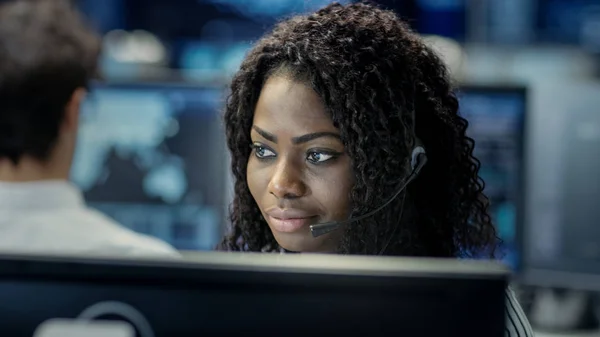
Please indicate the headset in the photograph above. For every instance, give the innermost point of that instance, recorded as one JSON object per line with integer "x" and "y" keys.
{"x": 417, "y": 162}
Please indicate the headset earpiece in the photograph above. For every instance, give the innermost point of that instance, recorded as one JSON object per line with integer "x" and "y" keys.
{"x": 417, "y": 154}
{"x": 419, "y": 150}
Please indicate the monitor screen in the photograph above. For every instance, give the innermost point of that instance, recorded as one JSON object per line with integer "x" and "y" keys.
{"x": 152, "y": 157}
{"x": 561, "y": 237}
{"x": 569, "y": 22}
{"x": 496, "y": 122}
{"x": 446, "y": 18}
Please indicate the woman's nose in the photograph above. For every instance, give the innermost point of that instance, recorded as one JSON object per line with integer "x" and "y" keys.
{"x": 287, "y": 182}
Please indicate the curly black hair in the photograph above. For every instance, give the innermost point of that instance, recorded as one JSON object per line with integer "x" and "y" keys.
{"x": 380, "y": 84}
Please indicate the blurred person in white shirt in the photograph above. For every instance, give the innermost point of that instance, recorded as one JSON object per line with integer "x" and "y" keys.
{"x": 47, "y": 57}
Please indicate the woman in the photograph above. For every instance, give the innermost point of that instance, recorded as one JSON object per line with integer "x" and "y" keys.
{"x": 322, "y": 121}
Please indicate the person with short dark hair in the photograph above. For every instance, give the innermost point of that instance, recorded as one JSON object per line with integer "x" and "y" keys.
{"x": 48, "y": 56}
{"x": 327, "y": 121}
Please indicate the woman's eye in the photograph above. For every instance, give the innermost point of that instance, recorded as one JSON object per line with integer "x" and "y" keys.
{"x": 262, "y": 152}
{"x": 319, "y": 157}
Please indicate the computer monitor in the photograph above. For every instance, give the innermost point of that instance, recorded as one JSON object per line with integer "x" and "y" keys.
{"x": 152, "y": 156}
{"x": 497, "y": 116}
{"x": 238, "y": 294}
{"x": 564, "y": 22}
{"x": 561, "y": 237}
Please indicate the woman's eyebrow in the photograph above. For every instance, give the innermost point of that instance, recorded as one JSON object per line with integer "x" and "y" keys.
{"x": 266, "y": 135}
{"x": 311, "y": 136}
{"x": 296, "y": 140}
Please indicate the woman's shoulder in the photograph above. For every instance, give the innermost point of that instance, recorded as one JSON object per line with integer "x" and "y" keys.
{"x": 517, "y": 324}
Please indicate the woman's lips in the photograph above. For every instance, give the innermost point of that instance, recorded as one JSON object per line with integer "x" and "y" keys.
{"x": 289, "y": 220}
{"x": 289, "y": 225}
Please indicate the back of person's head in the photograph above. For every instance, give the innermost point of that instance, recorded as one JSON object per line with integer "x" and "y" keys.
{"x": 47, "y": 57}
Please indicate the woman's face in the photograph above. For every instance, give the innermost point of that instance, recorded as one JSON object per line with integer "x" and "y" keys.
{"x": 298, "y": 171}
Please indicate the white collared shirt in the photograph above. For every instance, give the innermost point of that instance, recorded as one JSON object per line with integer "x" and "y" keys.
{"x": 51, "y": 217}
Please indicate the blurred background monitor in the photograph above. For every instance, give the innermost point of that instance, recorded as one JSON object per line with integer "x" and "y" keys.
{"x": 152, "y": 156}
{"x": 561, "y": 238}
{"x": 496, "y": 116}
{"x": 447, "y": 18}
{"x": 573, "y": 22}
